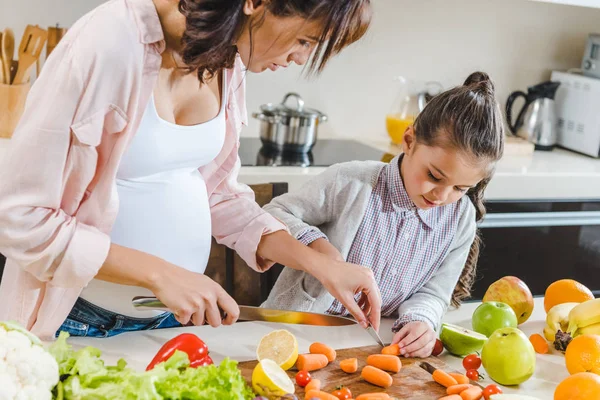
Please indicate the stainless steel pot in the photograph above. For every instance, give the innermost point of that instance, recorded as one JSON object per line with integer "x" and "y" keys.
{"x": 287, "y": 128}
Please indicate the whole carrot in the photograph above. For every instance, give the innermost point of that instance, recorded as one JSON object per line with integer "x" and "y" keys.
{"x": 321, "y": 348}
{"x": 314, "y": 384}
{"x": 376, "y": 376}
{"x": 472, "y": 393}
{"x": 392, "y": 350}
{"x": 460, "y": 378}
{"x": 457, "y": 389}
{"x": 311, "y": 362}
{"x": 373, "y": 396}
{"x": 317, "y": 394}
{"x": 451, "y": 397}
{"x": 349, "y": 366}
{"x": 385, "y": 362}
{"x": 443, "y": 378}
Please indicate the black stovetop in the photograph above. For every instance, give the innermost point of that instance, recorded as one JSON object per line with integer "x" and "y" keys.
{"x": 324, "y": 153}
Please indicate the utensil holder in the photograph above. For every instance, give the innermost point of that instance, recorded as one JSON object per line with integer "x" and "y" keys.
{"x": 12, "y": 104}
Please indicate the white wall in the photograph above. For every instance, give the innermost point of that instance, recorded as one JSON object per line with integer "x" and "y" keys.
{"x": 518, "y": 42}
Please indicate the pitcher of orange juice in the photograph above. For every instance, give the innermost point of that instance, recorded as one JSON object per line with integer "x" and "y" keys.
{"x": 410, "y": 101}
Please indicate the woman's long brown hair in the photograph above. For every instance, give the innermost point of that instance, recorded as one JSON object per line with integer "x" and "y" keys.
{"x": 213, "y": 27}
{"x": 466, "y": 118}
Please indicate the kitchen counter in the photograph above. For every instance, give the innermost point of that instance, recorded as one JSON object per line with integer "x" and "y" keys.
{"x": 239, "y": 342}
{"x": 559, "y": 174}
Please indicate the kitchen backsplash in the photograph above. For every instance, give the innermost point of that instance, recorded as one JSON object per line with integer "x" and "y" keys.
{"x": 518, "y": 42}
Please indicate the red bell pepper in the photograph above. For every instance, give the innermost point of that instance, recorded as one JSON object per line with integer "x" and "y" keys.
{"x": 190, "y": 344}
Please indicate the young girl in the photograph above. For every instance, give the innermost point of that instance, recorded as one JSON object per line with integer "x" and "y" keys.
{"x": 409, "y": 221}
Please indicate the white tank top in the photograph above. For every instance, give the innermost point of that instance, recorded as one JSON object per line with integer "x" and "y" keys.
{"x": 163, "y": 201}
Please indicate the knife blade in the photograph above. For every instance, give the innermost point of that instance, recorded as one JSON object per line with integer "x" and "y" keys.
{"x": 375, "y": 335}
{"x": 249, "y": 313}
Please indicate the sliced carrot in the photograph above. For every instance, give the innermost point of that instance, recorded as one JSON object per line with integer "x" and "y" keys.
{"x": 443, "y": 378}
{"x": 385, "y": 362}
{"x": 376, "y": 376}
{"x": 314, "y": 384}
{"x": 472, "y": 393}
{"x": 451, "y": 397}
{"x": 349, "y": 366}
{"x": 317, "y": 394}
{"x": 311, "y": 362}
{"x": 392, "y": 349}
{"x": 460, "y": 378}
{"x": 456, "y": 389}
{"x": 539, "y": 343}
{"x": 321, "y": 348}
{"x": 373, "y": 396}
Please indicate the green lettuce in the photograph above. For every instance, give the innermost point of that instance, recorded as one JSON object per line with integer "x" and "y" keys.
{"x": 85, "y": 376}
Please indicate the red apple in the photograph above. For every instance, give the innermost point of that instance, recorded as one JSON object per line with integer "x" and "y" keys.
{"x": 514, "y": 292}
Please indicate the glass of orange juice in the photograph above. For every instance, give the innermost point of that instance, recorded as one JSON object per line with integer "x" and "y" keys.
{"x": 396, "y": 125}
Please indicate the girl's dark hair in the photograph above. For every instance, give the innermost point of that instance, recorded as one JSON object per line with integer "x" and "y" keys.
{"x": 467, "y": 118}
{"x": 213, "y": 27}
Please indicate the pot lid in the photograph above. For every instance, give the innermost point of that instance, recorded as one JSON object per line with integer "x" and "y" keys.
{"x": 297, "y": 110}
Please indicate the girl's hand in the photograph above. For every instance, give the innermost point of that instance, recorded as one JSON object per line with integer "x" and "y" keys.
{"x": 416, "y": 339}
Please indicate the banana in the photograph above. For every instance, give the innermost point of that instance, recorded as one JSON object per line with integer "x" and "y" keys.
{"x": 588, "y": 330}
{"x": 558, "y": 318}
{"x": 585, "y": 314}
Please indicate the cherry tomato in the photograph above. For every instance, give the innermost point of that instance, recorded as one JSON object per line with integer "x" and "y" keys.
{"x": 472, "y": 361}
{"x": 490, "y": 390}
{"x": 437, "y": 348}
{"x": 473, "y": 375}
{"x": 303, "y": 378}
{"x": 342, "y": 393}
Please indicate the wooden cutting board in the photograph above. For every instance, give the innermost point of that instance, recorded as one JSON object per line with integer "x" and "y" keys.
{"x": 412, "y": 382}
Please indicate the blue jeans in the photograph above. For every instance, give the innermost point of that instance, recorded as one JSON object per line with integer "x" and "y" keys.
{"x": 87, "y": 319}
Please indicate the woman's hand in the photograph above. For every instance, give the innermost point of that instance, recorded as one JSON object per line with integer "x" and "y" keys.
{"x": 324, "y": 247}
{"x": 189, "y": 295}
{"x": 195, "y": 297}
{"x": 415, "y": 339}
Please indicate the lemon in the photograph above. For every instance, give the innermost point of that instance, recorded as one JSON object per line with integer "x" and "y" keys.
{"x": 280, "y": 346}
{"x": 270, "y": 380}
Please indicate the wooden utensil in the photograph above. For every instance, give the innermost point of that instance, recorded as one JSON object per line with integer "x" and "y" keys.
{"x": 55, "y": 34}
{"x": 412, "y": 382}
{"x": 34, "y": 39}
{"x": 8, "y": 52}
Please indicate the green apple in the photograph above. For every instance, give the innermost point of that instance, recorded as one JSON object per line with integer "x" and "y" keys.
{"x": 492, "y": 315}
{"x": 460, "y": 341}
{"x": 508, "y": 356}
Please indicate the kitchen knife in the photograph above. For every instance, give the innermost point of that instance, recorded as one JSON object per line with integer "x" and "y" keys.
{"x": 249, "y": 313}
{"x": 375, "y": 335}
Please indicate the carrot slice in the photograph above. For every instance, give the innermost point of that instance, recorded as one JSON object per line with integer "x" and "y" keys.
{"x": 451, "y": 397}
{"x": 317, "y": 394}
{"x": 385, "y": 362}
{"x": 311, "y": 362}
{"x": 349, "y": 366}
{"x": 321, "y": 348}
{"x": 457, "y": 389}
{"x": 443, "y": 378}
{"x": 472, "y": 393}
{"x": 392, "y": 350}
{"x": 460, "y": 378}
{"x": 376, "y": 376}
{"x": 314, "y": 384}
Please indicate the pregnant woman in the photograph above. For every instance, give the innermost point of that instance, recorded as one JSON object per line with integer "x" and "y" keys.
{"x": 125, "y": 163}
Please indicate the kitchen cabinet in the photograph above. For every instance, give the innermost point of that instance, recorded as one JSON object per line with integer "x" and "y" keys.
{"x": 582, "y": 3}
{"x": 540, "y": 242}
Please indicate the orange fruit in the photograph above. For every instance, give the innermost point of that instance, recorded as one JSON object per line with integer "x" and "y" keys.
{"x": 566, "y": 291}
{"x": 583, "y": 354}
{"x": 580, "y": 386}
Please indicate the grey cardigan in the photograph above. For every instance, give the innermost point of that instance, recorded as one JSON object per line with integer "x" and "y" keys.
{"x": 335, "y": 202}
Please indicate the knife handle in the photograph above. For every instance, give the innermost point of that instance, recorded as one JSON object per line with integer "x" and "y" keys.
{"x": 155, "y": 304}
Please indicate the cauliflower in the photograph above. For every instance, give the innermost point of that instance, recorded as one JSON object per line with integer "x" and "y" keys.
{"x": 27, "y": 370}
